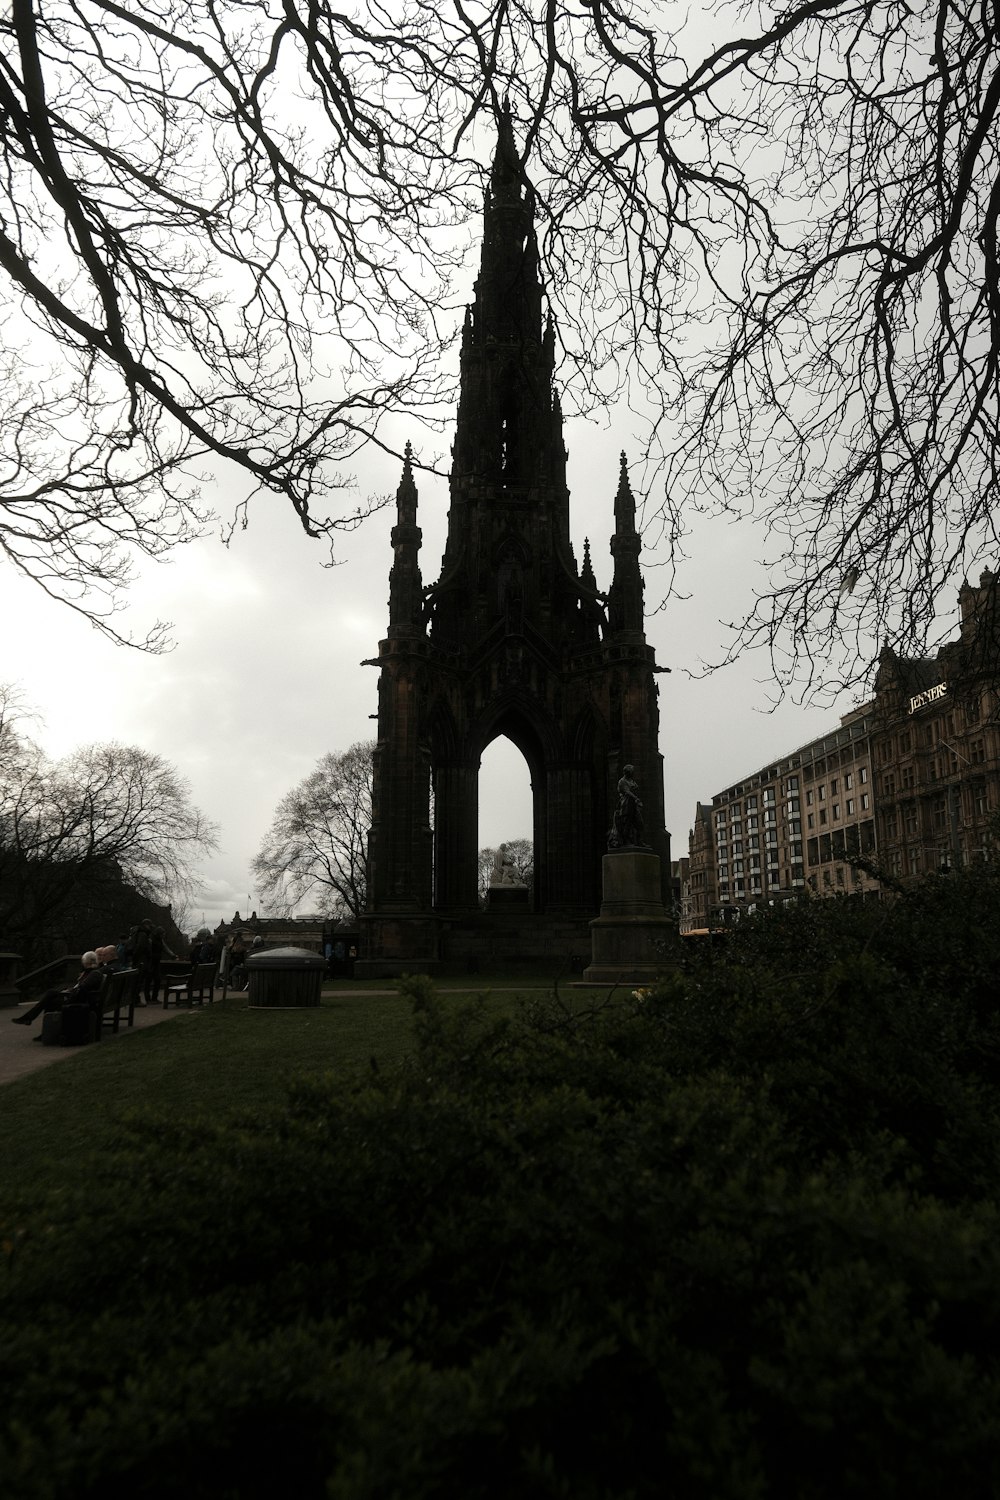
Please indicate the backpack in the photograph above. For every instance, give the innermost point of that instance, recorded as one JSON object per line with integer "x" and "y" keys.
{"x": 52, "y": 1028}
{"x": 77, "y": 1025}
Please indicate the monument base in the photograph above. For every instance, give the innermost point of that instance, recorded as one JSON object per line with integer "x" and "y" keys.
{"x": 395, "y": 945}
{"x": 631, "y": 939}
{"x": 508, "y": 898}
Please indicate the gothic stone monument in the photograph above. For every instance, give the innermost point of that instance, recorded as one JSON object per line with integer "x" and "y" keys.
{"x": 513, "y": 639}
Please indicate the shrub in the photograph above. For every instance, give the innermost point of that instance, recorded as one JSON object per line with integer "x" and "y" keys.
{"x": 738, "y": 1238}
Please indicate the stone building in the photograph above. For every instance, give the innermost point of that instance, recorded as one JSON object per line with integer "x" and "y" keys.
{"x": 699, "y": 891}
{"x": 789, "y": 827}
{"x": 514, "y": 639}
{"x": 910, "y": 782}
{"x": 937, "y": 745}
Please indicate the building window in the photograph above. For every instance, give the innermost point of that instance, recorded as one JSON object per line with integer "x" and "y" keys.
{"x": 810, "y": 819}
{"x": 833, "y": 787}
{"x": 889, "y": 784}
{"x": 822, "y": 815}
{"x": 864, "y": 802}
{"x": 849, "y": 779}
{"x": 836, "y": 810}
{"x": 907, "y": 776}
{"x": 822, "y": 792}
{"x": 977, "y": 752}
{"x": 751, "y": 804}
{"x": 863, "y": 774}
{"x": 809, "y": 797}
{"x": 910, "y": 817}
{"x": 792, "y": 784}
{"x": 850, "y": 807}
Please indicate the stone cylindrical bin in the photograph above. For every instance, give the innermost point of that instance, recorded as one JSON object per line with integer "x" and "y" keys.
{"x": 285, "y": 978}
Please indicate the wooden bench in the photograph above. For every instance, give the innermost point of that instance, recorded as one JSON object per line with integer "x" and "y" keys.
{"x": 191, "y": 987}
{"x": 119, "y": 993}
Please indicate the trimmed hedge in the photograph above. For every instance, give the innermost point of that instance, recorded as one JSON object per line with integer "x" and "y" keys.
{"x": 736, "y": 1238}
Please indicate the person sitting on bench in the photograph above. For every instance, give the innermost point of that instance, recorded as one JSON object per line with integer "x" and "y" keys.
{"x": 84, "y": 992}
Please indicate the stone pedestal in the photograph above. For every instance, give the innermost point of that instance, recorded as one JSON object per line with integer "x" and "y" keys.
{"x": 397, "y": 944}
{"x": 507, "y": 898}
{"x": 632, "y": 937}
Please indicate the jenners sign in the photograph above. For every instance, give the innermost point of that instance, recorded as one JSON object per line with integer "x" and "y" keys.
{"x": 930, "y": 696}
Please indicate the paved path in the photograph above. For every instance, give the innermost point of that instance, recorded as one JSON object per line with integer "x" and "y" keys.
{"x": 21, "y": 1055}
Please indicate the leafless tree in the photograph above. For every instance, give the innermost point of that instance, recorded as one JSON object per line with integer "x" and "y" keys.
{"x": 230, "y": 233}
{"x": 317, "y": 845}
{"x": 105, "y": 808}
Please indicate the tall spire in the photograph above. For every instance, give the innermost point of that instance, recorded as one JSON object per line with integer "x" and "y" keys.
{"x": 625, "y": 595}
{"x": 624, "y": 502}
{"x": 405, "y": 591}
{"x": 587, "y": 571}
{"x": 508, "y": 294}
{"x": 509, "y": 430}
{"x": 506, "y": 175}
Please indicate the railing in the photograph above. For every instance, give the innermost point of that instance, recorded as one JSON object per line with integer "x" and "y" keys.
{"x": 49, "y": 976}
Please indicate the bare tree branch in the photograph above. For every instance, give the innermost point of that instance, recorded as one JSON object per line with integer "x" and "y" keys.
{"x": 230, "y": 235}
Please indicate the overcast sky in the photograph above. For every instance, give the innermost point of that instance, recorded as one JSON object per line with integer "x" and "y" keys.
{"x": 266, "y": 673}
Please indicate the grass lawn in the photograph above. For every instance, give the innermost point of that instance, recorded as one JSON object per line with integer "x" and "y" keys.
{"x": 223, "y": 1057}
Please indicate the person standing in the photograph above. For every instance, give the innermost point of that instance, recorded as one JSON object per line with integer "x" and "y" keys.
{"x": 157, "y": 948}
{"x": 238, "y": 961}
{"x": 142, "y": 959}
